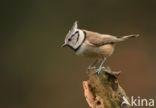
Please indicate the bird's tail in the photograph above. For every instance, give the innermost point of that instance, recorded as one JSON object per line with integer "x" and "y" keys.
{"x": 124, "y": 38}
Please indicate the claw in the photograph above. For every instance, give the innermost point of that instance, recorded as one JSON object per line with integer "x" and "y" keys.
{"x": 92, "y": 66}
{"x": 100, "y": 69}
{"x": 101, "y": 66}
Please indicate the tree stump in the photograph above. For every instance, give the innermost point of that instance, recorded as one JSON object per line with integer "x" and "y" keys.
{"x": 103, "y": 90}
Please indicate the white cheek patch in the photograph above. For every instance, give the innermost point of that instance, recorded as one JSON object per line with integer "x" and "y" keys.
{"x": 80, "y": 39}
{"x": 74, "y": 38}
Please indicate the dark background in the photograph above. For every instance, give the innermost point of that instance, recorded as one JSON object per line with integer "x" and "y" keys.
{"x": 36, "y": 73}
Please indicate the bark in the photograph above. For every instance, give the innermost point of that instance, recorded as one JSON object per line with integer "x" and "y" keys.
{"x": 103, "y": 90}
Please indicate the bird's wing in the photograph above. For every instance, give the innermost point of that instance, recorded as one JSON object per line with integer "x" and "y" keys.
{"x": 97, "y": 39}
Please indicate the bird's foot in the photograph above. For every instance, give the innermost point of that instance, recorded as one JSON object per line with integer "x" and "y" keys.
{"x": 100, "y": 69}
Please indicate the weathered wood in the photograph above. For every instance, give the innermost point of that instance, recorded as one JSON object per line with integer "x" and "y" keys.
{"x": 103, "y": 90}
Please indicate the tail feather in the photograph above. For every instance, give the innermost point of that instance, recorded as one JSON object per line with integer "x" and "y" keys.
{"x": 124, "y": 38}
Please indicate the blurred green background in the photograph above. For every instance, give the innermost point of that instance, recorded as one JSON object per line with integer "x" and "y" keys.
{"x": 36, "y": 73}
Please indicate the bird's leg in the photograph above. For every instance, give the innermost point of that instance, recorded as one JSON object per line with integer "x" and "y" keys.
{"x": 101, "y": 65}
{"x": 91, "y": 66}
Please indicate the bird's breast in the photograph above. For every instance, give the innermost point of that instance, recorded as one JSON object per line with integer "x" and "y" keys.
{"x": 90, "y": 50}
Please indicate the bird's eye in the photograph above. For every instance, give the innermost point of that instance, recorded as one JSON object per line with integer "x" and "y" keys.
{"x": 69, "y": 39}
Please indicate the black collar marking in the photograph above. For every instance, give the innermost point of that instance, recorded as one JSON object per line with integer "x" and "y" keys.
{"x": 82, "y": 42}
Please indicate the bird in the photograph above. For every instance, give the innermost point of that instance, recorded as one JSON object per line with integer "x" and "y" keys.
{"x": 93, "y": 44}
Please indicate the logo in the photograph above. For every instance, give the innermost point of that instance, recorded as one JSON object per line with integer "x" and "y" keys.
{"x": 138, "y": 101}
{"x": 125, "y": 101}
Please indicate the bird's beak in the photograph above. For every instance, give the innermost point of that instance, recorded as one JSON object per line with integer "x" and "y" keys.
{"x": 64, "y": 45}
